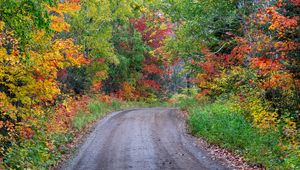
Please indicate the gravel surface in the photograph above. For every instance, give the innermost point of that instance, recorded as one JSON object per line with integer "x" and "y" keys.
{"x": 153, "y": 138}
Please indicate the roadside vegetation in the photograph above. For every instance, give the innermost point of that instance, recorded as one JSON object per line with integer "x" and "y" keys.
{"x": 220, "y": 123}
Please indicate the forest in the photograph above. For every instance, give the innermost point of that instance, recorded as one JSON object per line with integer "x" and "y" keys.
{"x": 232, "y": 65}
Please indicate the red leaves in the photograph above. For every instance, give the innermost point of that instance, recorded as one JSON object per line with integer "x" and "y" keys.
{"x": 150, "y": 83}
{"x": 153, "y": 35}
{"x": 152, "y": 69}
{"x": 295, "y": 2}
{"x": 100, "y": 60}
{"x": 63, "y": 73}
{"x": 154, "y": 28}
{"x": 139, "y": 24}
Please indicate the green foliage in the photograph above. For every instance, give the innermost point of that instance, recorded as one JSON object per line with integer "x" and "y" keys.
{"x": 92, "y": 27}
{"x": 99, "y": 27}
{"x": 24, "y": 16}
{"x": 220, "y": 125}
{"x": 202, "y": 22}
{"x": 32, "y": 154}
{"x": 130, "y": 51}
{"x": 116, "y": 105}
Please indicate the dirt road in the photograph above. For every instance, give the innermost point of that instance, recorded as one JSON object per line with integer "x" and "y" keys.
{"x": 142, "y": 139}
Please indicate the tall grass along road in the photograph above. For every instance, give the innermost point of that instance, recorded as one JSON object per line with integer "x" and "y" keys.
{"x": 142, "y": 139}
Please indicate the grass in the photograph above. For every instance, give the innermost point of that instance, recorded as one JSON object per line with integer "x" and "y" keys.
{"x": 219, "y": 125}
{"x": 96, "y": 110}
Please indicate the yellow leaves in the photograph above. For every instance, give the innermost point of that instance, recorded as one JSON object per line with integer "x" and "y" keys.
{"x": 70, "y": 51}
{"x": 272, "y": 27}
{"x": 7, "y": 59}
{"x": 2, "y": 25}
{"x": 28, "y": 78}
{"x": 34, "y": 81}
{"x": 68, "y": 6}
{"x": 39, "y": 35}
{"x": 264, "y": 119}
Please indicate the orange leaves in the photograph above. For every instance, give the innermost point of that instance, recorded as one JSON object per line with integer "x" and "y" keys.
{"x": 281, "y": 23}
{"x": 26, "y": 132}
{"x": 240, "y": 52}
{"x": 277, "y": 22}
{"x": 126, "y": 92}
{"x": 61, "y": 120}
{"x": 58, "y": 22}
{"x": 208, "y": 67}
{"x": 203, "y": 93}
{"x": 96, "y": 86}
{"x": 285, "y": 46}
{"x": 105, "y": 99}
{"x": 67, "y": 7}
{"x": 282, "y": 80}
{"x": 265, "y": 65}
{"x": 127, "y": 89}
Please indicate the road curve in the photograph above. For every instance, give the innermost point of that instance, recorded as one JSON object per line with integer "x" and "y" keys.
{"x": 141, "y": 139}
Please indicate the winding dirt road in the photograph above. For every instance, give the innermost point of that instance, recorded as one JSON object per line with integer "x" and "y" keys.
{"x": 142, "y": 139}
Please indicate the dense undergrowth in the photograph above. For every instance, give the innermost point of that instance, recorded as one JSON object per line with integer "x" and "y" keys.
{"x": 221, "y": 124}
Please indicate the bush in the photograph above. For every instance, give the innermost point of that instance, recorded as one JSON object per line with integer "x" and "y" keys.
{"x": 32, "y": 154}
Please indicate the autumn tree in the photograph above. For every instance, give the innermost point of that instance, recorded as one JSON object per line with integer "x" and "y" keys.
{"x": 30, "y": 58}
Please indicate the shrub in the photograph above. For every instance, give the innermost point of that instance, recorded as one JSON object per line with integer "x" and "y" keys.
{"x": 220, "y": 125}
